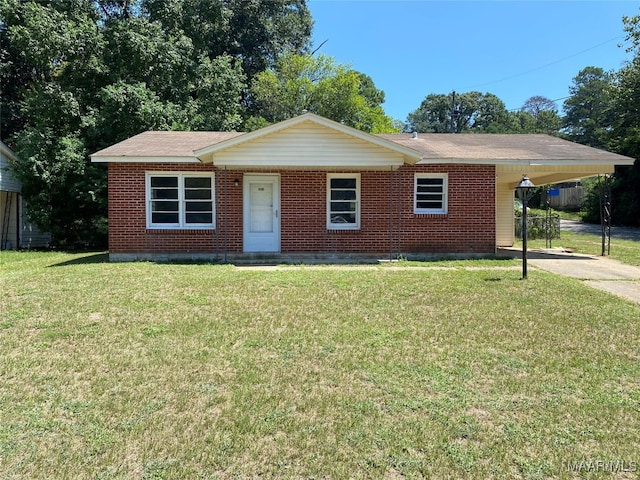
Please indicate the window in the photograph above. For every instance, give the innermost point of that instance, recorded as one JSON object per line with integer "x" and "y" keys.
{"x": 180, "y": 201}
{"x": 430, "y": 193}
{"x": 343, "y": 201}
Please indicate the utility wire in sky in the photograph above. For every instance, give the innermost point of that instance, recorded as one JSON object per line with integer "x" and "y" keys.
{"x": 542, "y": 66}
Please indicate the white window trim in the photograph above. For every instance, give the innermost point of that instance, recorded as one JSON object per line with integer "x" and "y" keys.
{"x": 182, "y": 225}
{"x": 343, "y": 226}
{"x": 445, "y": 192}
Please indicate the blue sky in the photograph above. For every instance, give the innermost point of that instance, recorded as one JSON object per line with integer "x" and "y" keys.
{"x": 511, "y": 48}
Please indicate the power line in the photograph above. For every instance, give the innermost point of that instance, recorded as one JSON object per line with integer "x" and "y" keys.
{"x": 554, "y": 101}
{"x": 545, "y": 65}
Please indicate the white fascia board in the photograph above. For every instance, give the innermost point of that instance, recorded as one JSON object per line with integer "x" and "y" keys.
{"x": 126, "y": 159}
{"x": 296, "y": 164}
{"x": 528, "y": 162}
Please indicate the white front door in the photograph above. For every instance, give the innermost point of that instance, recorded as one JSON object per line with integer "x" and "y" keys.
{"x": 261, "y": 213}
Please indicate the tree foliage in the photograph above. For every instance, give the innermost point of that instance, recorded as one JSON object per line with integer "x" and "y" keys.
{"x": 588, "y": 111}
{"x": 538, "y": 104}
{"x": 319, "y": 85}
{"x": 79, "y": 75}
{"x": 475, "y": 112}
{"x": 459, "y": 113}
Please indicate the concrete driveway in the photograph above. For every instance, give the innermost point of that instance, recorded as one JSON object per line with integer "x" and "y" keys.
{"x": 603, "y": 273}
{"x": 625, "y": 233}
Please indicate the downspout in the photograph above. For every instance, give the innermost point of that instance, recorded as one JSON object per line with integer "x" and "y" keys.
{"x": 391, "y": 213}
{"x": 226, "y": 203}
{"x": 399, "y": 210}
{"x": 218, "y": 206}
{"x": 18, "y": 223}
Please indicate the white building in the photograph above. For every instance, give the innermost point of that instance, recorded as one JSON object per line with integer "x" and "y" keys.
{"x": 15, "y": 229}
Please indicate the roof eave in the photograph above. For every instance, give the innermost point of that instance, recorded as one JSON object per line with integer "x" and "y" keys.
{"x": 8, "y": 152}
{"x": 141, "y": 159}
{"x": 493, "y": 161}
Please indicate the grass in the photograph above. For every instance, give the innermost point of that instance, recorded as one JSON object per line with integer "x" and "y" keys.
{"x": 451, "y": 370}
{"x": 626, "y": 251}
{"x": 563, "y": 214}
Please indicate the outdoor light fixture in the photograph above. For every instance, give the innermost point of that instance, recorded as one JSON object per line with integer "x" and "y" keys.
{"x": 524, "y": 190}
{"x": 236, "y": 182}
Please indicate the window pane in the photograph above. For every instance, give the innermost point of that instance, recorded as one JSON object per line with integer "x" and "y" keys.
{"x": 164, "y": 217}
{"x": 430, "y": 181}
{"x": 164, "y": 181}
{"x": 197, "y": 194}
{"x": 343, "y": 218}
{"x": 199, "y": 218}
{"x": 343, "y": 194}
{"x": 164, "y": 206}
{"x": 343, "y": 183}
{"x": 162, "y": 194}
{"x": 428, "y": 204}
{"x": 343, "y": 206}
{"x": 432, "y": 196}
{"x": 194, "y": 182}
{"x": 199, "y": 206}
{"x": 425, "y": 189}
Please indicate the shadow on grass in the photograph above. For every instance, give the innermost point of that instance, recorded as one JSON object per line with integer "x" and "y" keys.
{"x": 90, "y": 258}
{"x": 543, "y": 254}
{"x": 282, "y": 260}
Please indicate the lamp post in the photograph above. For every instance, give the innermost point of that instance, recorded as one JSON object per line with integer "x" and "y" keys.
{"x": 524, "y": 189}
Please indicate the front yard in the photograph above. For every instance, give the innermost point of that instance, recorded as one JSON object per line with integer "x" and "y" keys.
{"x": 438, "y": 370}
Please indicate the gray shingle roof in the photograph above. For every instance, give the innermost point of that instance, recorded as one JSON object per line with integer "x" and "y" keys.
{"x": 432, "y": 146}
{"x": 164, "y": 144}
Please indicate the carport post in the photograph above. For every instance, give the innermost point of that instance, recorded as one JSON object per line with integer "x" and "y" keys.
{"x": 524, "y": 189}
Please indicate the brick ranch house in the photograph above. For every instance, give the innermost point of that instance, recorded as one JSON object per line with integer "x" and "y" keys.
{"x": 310, "y": 187}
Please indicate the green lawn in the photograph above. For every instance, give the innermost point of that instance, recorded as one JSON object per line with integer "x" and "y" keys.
{"x": 626, "y": 251}
{"x": 445, "y": 370}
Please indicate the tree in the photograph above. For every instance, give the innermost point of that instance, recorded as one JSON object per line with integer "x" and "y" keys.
{"x": 537, "y": 104}
{"x": 318, "y": 85}
{"x": 545, "y": 113}
{"x": 588, "y": 111}
{"x": 602, "y": 112}
{"x": 625, "y": 139}
{"x": 459, "y": 113}
{"x": 78, "y": 75}
{"x": 65, "y": 193}
{"x": 256, "y": 31}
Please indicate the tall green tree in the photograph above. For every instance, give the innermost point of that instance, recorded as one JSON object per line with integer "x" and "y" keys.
{"x": 78, "y": 75}
{"x": 255, "y": 31}
{"x": 589, "y": 112}
{"x": 602, "y": 112}
{"x": 545, "y": 113}
{"x": 625, "y": 139}
{"x": 459, "y": 113}
{"x": 319, "y": 85}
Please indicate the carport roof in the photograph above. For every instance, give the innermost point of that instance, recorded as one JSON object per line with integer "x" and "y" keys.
{"x": 503, "y": 149}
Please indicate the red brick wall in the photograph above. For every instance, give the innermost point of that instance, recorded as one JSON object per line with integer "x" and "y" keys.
{"x": 469, "y": 225}
{"x": 128, "y": 231}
